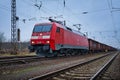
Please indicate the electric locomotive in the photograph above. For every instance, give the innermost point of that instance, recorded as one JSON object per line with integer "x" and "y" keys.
{"x": 54, "y": 38}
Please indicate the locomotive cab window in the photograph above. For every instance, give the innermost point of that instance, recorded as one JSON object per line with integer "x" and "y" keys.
{"x": 58, "y": 30}
{"x": 42, "y": 28}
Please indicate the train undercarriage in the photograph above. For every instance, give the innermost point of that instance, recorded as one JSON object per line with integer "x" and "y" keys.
{"x": 46, "y": 51}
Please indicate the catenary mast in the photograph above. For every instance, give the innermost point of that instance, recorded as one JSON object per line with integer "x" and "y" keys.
{"x": 13, "y": 27}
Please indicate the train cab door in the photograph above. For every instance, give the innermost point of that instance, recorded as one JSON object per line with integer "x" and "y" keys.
{"x": 59, "y": 38}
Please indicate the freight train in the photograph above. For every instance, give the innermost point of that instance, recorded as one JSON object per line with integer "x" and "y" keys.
{"x": 54, "y": 38}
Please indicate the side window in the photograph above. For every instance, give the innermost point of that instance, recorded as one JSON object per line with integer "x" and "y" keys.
{"x": 58, "y": 30}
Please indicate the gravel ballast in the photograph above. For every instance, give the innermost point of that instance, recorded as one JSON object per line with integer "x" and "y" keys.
{"x": 26, "y": 71}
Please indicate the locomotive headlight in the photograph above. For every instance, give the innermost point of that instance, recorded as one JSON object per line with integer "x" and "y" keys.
{"x": 48, "y": 42}
{"x": 46, "y": 37}
{"x": 32, "y": 42}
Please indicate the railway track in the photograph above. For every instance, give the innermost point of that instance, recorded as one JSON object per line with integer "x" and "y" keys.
{"x": 112, "y": 71}
{"x": 18, "y": 59}
{"x": 24, "y": 59}
{"x": 81, "y": 71}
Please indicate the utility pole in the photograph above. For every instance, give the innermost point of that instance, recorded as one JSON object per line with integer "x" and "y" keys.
{"x": 13, "y": 27}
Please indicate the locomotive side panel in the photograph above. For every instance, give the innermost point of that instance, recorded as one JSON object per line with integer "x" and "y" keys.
{"x": 73, "y": 40}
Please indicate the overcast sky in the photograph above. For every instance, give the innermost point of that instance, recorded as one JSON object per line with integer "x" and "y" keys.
{"x": 101, "y": 21}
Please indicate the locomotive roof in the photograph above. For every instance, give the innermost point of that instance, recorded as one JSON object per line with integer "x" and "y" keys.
{"x": 61, "y": 26}
{"x": 43, "y": 23}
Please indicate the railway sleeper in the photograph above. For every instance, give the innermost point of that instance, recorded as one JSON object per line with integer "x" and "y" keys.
{"x": 80, "y": 75}
{"x": 22, "y": 61}
{"x": 80, "y": 72}
{"x": 69, "y": 77}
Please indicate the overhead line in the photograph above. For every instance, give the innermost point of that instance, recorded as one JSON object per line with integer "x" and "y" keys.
{"x": 110, "y": 7}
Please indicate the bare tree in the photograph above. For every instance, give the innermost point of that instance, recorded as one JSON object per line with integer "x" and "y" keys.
{"x": 2, "y": 39}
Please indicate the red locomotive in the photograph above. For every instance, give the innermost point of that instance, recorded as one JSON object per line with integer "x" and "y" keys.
{"x": 53, "y": 38}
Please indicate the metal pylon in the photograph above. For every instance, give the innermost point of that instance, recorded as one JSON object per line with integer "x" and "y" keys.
{"x": 13, "y": 27}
